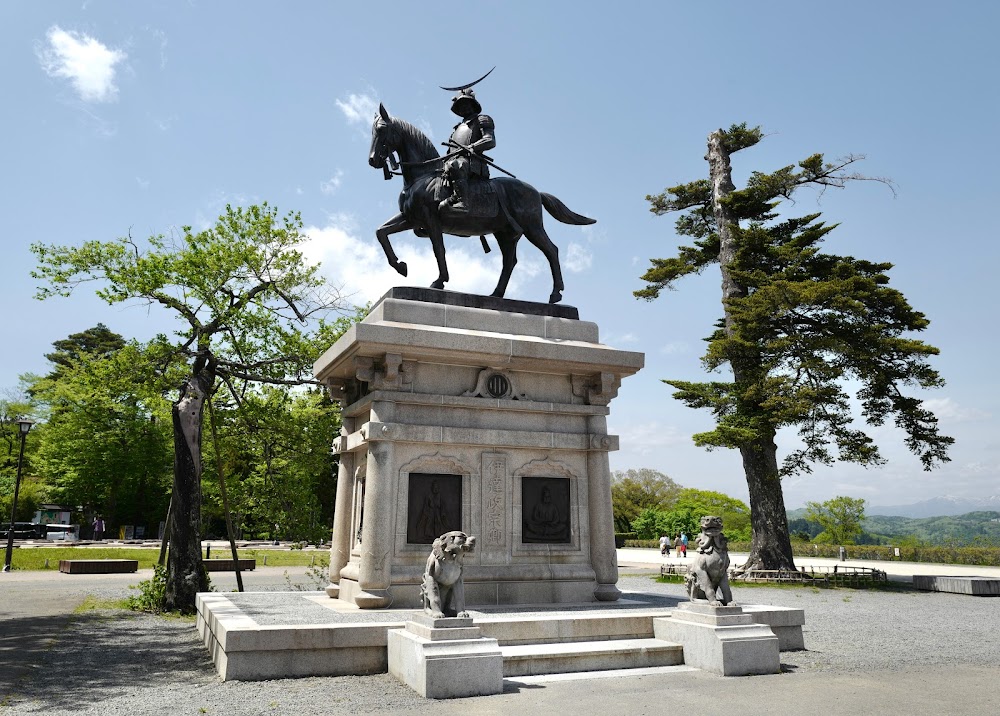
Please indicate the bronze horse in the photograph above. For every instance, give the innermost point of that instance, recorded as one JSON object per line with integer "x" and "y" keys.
{"x": 519, "y": 208}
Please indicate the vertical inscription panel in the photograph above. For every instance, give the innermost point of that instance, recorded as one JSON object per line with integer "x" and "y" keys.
{"x": 434, "y": 506}
{"x": 495, "y": 508}
{"x": 545, "y": 510}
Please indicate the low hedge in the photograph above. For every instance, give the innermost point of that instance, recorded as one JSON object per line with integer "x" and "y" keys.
{"x": 976, "y": 556}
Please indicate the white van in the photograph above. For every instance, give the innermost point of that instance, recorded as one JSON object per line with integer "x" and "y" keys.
{"x": 66, "y": 533}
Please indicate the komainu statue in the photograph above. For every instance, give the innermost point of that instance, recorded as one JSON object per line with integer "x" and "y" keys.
{"x": 708, "y": 574}
{"x": 442, "y": 591}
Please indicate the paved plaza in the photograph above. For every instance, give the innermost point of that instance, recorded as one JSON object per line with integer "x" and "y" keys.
{"x": 867, "y": 652}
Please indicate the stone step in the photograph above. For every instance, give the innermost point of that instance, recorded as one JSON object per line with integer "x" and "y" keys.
{"x": 534, "y": 659}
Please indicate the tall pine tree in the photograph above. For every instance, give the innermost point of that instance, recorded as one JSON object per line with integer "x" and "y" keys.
{"x": 798, "y": 326}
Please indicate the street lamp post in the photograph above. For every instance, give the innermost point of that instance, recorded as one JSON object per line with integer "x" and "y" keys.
{"x": 23, "y": 427}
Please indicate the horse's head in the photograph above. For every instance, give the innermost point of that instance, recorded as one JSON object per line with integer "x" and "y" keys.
{"x": 382, "y": 139}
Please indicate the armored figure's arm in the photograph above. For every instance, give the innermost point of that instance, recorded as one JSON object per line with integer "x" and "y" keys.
{"x": 488, "y": 140}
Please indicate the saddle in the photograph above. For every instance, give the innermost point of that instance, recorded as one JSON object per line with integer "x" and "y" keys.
{"x": 480, "y": 201}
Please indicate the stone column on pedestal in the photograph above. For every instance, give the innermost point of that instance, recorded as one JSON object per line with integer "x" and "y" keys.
{"x": 603, "y": 555}
{"x": 377, "y": 536}
{"x": 340, "y": 547}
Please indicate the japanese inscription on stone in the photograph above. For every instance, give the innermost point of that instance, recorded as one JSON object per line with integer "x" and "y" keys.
{"x": 494, "y": 490}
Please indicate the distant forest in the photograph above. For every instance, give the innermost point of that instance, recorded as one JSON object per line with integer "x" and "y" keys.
{"x": 980, "y": 529}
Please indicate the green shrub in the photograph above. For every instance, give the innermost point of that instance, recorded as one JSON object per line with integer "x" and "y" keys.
{"x": 152, "y": 596}
{"x": 643, "y": 543}
{"x": 621, "y": 538}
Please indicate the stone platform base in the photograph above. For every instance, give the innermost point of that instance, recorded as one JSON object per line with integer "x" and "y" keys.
{"x": 292, "y": 634}
{"x": 723, "y": 640}
{"x": 445, "y": 658}
{"x": 785, "y": 622}
{"x": 975, "y": 586}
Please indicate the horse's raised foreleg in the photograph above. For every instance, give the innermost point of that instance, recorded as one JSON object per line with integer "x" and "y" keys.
{"x": 508, "y": 249}
{"x": 535, "y": 233}
{"x": 393, "y": 226}
{"x": 437, "y": 243}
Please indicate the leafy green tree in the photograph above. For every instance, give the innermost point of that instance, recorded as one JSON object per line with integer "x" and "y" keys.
{"x": 632, "y": 491}
{"x": 650, "y": 523}
{"x": 799, "y": 326}
{"x": 240, "y": 291}
{"x": 840, "y": 518}
{"x": 107, "y": 440}
{"x": 277, "y": 463}
{"x": 735, "y": 513}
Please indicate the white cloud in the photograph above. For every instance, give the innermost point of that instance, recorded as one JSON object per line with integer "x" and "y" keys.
{"x": 358, "y": 264}
{"x": 87, "y": 63}
{"x": 165, "y": 123}
{"x": 948, "y": 410}
{"x": 675, "y": 348}
{"x": 331, "y": 185}
{"x": 358, "y": 108}
{"x": 161, "y": 36}
{"x": 616, "y": 339}
{"x": 645, "y": 438}
{"x": 976, "y": 469}
{"x": 577, "y": 258}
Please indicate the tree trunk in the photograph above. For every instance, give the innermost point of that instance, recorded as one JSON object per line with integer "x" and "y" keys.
{"x": 770, "y": 547}
{"x": 185, "y": 572}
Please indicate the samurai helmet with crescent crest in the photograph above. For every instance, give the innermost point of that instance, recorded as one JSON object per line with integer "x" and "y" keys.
{"x": 462, "y": 100}
{"x": 466, "y": 97}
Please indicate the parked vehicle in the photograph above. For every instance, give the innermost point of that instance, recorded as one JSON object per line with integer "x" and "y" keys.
{"x": 68, "y": 533}
{"x": 23, "y": 530}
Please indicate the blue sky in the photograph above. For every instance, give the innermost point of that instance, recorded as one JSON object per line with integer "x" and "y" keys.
{"x": 144, "y": 117}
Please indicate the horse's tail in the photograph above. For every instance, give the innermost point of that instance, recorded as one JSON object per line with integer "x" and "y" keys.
{"x": 562, "y": 213}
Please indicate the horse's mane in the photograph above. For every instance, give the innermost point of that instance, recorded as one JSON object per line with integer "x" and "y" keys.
{"x": 416, "y": 138}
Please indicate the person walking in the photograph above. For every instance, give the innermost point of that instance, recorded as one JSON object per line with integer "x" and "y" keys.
{"x": 679, "y": 545}
{"x": 98, "y": 528}
{"x": 664, "y": 545}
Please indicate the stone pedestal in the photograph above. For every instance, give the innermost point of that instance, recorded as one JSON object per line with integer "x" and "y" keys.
{"x": 723, "y": 640}
{"x": 445, "y": 658}
{"x": 481, "y": 415}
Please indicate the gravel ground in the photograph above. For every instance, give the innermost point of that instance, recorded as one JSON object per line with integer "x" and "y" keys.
{"x": 109, "y": 662}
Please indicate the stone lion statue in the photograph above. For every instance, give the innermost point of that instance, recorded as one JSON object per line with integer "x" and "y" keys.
{"x": 442, "y": 591}
{"x": 708, "y": 574}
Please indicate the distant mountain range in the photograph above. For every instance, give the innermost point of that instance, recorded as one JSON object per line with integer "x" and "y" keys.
{"x": 944, "y": 506}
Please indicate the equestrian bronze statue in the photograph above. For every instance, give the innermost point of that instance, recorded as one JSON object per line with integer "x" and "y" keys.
{"x": 454, "y": 194}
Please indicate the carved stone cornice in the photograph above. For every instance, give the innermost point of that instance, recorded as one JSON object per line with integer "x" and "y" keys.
{"x": 597, "y": 388}
{"x": 544, "y": 467}
{"x": 436, "y": 463}
{"x": 343, "y": 390}
{"x": 388, "y": 372}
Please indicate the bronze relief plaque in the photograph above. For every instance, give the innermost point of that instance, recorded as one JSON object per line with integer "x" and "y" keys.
{"x": 434, "y": 506}
{"x": 545, "y": 510}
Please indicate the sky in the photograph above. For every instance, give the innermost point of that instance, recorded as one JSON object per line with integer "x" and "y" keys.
{"x": 143, "y": 117}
